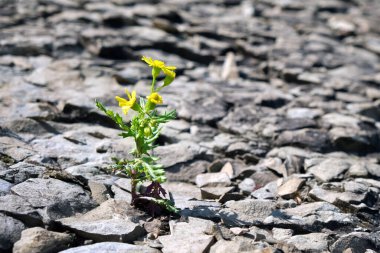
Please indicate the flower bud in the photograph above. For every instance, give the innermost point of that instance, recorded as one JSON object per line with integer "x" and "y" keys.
{"x": 147, "y": 131}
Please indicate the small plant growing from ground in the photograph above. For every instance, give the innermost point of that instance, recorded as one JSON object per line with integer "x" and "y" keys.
{"x": 144, "y": 128}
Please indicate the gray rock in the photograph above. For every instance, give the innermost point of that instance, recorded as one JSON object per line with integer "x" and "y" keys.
{"x": 22, "y": 171}
{"x": 311, "y": 217}
{"x": 248, "y": 185}
{"x": 228, "y": 168}
{"x": 111, "y": 221}
{"x": 234, "y": 119}
{"x": 21, "y": 209}
{"x": 330, "y": 169}
{"x": 300, "y": 112}
{"x": 178, "y": 153}
{"x": 99, "y": 192}
{"x": 5, "y": 187}
{"x": 369, "y": 182}
{"x": 350, "y": 192}
{"x": 186, "y": 172}
{"x": 374, "y": 170}
{"x": 358, "y": 170}
{"x": 120, "y": 194}
{"x": 111, "y": 247}
{"x": 39, "y": 240}
{"x": 214, "y": 192}
{"x": 313, "y": 139}
{"x": 356, "y": 241}
{"x": 358, "y": 141}
{"x": 189, "y": 237}
{"x": 86, "y": 170}
{"x": 10, "y": 232}
{"x": 239, "y": 244}
{"x": 246, "y": 212}
{"x": 269, "y": 191}
{"x": 182, "y": 192}
{"x": 213, "y": 180}
{"x": 289, "y": 187}
{"x": 200, "y": 209}
{"x": 317, "y": 242}
{"x": 281, "y": 234}
{"x": 58, "y": 199}
{"x": 202, "y": 108}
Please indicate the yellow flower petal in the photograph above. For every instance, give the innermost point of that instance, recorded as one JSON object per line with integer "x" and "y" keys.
{"x": 127, "y": 104}
{"x": 169, "y": 72}
{"x": 171, "y": 67}
{"x": 125, "y": 109}
{"x": 122, "y": 101}
{"x": 155, "y": 98}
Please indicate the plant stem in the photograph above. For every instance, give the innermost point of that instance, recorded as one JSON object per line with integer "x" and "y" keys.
{"x": 153, "y": 84}
{"x": 133, "y": 190}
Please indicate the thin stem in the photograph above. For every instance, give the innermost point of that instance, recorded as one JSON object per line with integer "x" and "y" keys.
{"x": 133, "y": 190}
{"x": 153, "y": 84}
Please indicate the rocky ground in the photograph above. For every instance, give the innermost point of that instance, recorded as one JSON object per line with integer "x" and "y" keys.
{"x": 276, "y": 147}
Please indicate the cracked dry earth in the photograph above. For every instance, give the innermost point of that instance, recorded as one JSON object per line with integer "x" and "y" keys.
{"x": 276, "y": 147}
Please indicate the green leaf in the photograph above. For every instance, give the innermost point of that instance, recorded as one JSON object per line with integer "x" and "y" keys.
{"x": 114, "y": 116}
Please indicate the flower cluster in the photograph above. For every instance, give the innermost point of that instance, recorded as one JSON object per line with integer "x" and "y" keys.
{"x": 145, "y": 128}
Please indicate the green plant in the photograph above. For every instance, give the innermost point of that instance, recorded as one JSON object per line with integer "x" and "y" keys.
{"x": 145, "y": 128}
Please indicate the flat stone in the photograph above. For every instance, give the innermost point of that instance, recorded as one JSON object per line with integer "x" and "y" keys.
{"x": 186, "y": 172}
{"x": 310, "y": 242}
{"x": 21, "y": 209}
{"x": 373, "y": 170}
{"x": 111, "y": 247}
{"x": 120, "y": 194}
{"x": 213, "y": 180}
{"x": 22, "y": 171}
{"x": 178, "y": 153}
{"x": 5, "y": 187}
{"x": 39, "y": 240}
{"x": 239, "y": 231}
{"x": 359, "y": 141}
{"x": 281, "y": 234}
{"x": 303, "y": 112}
{"x": 356, "y": 241}
{"x": 248, "y": 185}
{"x": 99, "y": 192}
{"x": 182, "y": 193}
{"x": 313, "y": 139}
{"x": 240, "y": 244}
{"x": 111, "y": 221}
{"x": 311, "y": 217}
{"x": 330, "y": 169}
{"x": 202, "y": 108}
{"x": 269, "y": 191}
{"x": 321, "y": 194}
{"x": 189, "y": 237}
{"x": 228, "y": 168}
{"x": 246, "y": 212}
{"x": 200, "y": 209}
{"x": 10, "y": 232}
{"x": 358, "y": 170}
{"x": 60, "y": 199}
{"x": 214, "y": 192}
{"x": 290, "y": 187}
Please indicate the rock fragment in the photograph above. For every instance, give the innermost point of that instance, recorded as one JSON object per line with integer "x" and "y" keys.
{"x": 39, "y": 240}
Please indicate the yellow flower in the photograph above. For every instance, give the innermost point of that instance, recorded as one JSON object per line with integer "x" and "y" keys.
{"x": 169, "y": 71}
{"x": 127, "y": 104}
{"x": 158, "y": 66}
{"x": 153, "y": 63}
{"x": 155, "y": 98}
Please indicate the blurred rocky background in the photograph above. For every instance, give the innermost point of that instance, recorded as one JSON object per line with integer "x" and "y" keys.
{"x": 276, "y": 147}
